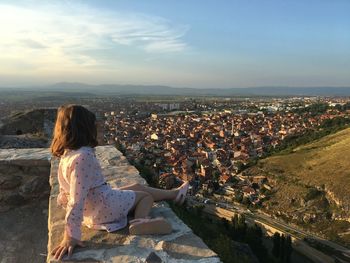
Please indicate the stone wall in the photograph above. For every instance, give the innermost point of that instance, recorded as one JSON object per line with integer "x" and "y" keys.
{"x": 179, "y": 246}
{"x": 24, "y": 176}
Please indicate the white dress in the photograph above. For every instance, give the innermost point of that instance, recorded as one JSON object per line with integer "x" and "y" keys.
{"x": 87, "y": 197}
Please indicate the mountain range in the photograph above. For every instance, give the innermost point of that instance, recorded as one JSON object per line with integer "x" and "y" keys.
{"x": 117, "y": 89}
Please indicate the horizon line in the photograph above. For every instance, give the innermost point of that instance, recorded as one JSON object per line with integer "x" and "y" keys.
{"x": 168, "y": 86}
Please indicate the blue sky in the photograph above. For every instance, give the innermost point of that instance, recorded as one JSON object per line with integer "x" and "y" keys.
{"x": 201, "y": 44}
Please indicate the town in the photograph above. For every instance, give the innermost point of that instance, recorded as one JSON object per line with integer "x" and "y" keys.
{"x": 209, "y": 143}
{"x": 217, "y": 143}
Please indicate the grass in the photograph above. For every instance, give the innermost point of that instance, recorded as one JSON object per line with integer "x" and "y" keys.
{"x": 323, "y": 164}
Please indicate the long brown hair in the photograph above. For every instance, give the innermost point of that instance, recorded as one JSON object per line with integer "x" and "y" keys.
{"x": 75, "y": 127}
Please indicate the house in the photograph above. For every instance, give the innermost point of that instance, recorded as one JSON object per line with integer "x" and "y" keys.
{"x": 224, "y": 178}
{"x": 248, "y": 191}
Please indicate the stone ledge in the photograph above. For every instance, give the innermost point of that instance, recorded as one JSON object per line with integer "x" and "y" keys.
{"x": 179, "y": 246}
{"x": 24, "y": 176}
{"x": 25, "y": 157}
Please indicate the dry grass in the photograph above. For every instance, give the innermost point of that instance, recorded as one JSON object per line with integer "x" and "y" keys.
{"x": 324, "y": 163}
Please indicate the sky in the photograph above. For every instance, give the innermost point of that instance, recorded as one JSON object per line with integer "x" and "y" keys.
{"x": 179, "y": 43}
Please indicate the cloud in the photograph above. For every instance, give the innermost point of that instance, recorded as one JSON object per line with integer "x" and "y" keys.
{"x": 60, "y": 34}
{"x": 154, "y": 34}
{"x": 32, "y": 43}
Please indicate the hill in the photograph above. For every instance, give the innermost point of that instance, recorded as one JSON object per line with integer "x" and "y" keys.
{"x": 32, "y": 128}
{"x": 311, "y": 185}
{"x": 31, "y": 121}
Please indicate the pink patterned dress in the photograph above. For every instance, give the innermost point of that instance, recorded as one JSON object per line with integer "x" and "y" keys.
{"x": 87, "y": 197}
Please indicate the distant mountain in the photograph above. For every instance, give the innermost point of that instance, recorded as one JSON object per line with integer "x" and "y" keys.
{"x": 116, "y": 89}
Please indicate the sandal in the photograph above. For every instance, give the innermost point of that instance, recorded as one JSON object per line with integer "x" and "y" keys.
{"x": 149, "y": 226}
{"x": 136, "y": 220}
{"x": 181, "y": 196}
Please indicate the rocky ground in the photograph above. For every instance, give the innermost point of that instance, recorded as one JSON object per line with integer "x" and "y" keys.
{"x": 23, "y": 233}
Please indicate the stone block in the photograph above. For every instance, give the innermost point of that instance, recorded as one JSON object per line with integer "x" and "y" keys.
{"x": 25, "y": 157}
{"x": 24, "y": 175}
{"x": 36, "y": 186}
{"x": 13, "y": 199}
{"x": 10, "y": 181}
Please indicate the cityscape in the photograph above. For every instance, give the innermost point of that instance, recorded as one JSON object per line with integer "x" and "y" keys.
{"x": 219, "y": 145}
{"x": 211, "y": 144}
{"x": 145, "y": 131}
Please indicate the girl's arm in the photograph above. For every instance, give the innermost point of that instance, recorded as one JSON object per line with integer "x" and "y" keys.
{"x": 62, "y": 198}
{"x": 80, "y": 182}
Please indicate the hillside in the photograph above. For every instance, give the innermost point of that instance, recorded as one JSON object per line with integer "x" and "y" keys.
{"x": 311, "y": 185}
{"x": 32, "y": 128}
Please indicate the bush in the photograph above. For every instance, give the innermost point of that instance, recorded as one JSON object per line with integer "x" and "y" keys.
{"x": 312, "y": 194}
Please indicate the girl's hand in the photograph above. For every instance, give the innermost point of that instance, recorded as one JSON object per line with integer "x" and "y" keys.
{"x": 67, "y": 245}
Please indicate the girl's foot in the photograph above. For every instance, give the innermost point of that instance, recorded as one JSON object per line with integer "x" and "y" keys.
{"x": 149, "y": 226}
{"x": 181, "y": 196}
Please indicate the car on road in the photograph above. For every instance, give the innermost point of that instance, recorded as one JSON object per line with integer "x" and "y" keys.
{"x": 207, "y": 201}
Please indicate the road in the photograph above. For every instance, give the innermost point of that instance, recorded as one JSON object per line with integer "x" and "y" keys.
{"x": 228, "y": 210}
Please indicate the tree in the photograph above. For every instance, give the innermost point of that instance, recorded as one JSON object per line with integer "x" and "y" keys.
{"x": 276, "y": 245}
{"x": 239, "y": 197}
{"x": 216, "y": 175}
{"x": 258, "y": 231}
{"x": 241, "y": 220}
{"x": 242, "y": 226}
{"x": 283, "y": 249}
{"x": 239, "y": 166}
{"x": 199, "y": 210}
{"x": 234, "y": 222}
{"x": 289, "y": 248}
{"x": 245, "y": 201}
{"x": 225, "y": 223}
{"x": 253, "y": 238}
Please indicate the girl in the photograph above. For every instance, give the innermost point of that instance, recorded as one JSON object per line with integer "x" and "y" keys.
{"x": 84, "y": 193}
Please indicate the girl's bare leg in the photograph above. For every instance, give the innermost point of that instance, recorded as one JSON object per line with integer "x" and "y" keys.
{"x": 157, "y": 194}
{"x": 143, "y": 204}
{"x": 142, "y": 207}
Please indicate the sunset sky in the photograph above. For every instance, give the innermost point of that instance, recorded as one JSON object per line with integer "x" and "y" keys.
{"x": 189, "y": 43}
